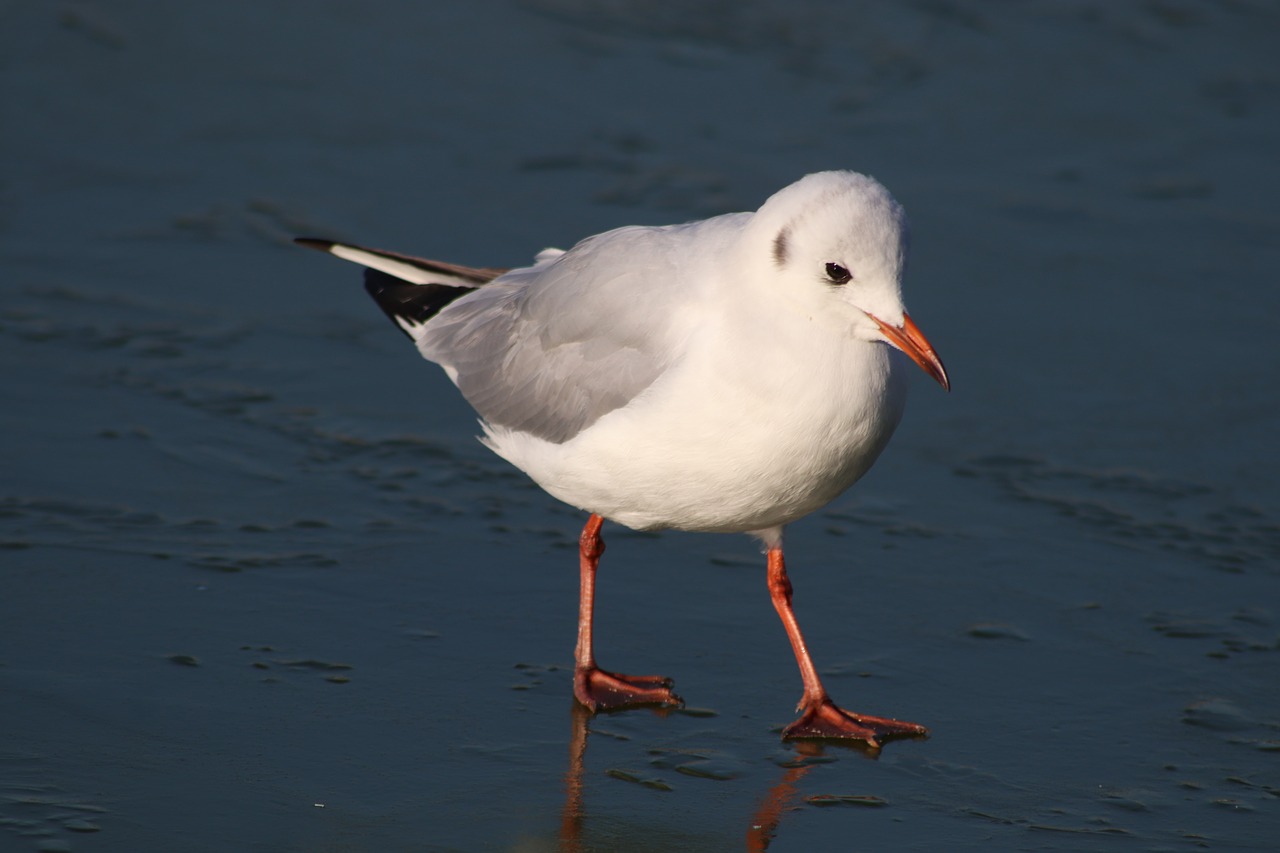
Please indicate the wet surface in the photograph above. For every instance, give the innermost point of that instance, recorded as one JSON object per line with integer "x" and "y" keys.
{"x": 263, "y": 590}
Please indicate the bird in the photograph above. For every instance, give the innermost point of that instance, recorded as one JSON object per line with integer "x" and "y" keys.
{"x": 731, "y": 374}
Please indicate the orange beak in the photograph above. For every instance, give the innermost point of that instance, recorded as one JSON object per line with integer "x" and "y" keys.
{"x": 912, "y": 341}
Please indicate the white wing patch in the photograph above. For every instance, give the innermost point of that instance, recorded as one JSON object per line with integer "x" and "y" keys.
{"x": 414, "y": 330}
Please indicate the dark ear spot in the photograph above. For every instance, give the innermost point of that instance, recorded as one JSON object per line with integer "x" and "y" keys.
{"x": 780, "y": 248}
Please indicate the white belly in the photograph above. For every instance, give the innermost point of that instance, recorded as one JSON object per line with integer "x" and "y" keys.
{"x": 726, "y": 448}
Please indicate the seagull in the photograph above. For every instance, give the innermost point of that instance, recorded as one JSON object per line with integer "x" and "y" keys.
{"x": 732, "y": 374}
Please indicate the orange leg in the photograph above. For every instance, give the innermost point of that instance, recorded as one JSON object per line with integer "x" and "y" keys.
{"x": 820, "y": 717}
{"x": 595, "y": 688}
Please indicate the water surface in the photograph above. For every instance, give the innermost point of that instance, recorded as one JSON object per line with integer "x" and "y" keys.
{"x": 263, "y": 590}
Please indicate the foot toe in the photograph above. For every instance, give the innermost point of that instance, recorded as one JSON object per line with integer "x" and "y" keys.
{"x": 599, "y": 690}
{"x": 826, "y": 720}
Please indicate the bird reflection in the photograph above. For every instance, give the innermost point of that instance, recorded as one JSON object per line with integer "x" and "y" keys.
{"x": 573, "y": 816}
{"x": 781, "y": 799}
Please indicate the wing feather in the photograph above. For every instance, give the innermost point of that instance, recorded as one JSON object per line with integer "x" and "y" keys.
{"x": 552, "y": 348}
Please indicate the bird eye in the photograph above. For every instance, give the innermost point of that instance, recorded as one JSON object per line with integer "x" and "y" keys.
{"x": 837, "y": 274}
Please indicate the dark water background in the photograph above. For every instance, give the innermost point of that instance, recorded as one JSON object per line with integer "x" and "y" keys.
{"x": 262, "y": 590}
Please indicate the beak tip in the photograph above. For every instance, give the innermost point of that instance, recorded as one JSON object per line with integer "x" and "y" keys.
{"x": 911, "y": 341}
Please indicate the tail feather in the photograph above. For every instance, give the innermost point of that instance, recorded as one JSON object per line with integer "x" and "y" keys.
{"x": 409, "y": 290}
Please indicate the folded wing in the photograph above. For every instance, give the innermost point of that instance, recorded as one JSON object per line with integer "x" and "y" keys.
{"x": 547, "y": 349}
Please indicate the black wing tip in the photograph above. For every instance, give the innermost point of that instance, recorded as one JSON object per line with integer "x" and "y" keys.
{"x": 416, "y": 303}
{"x": 400, "y": 300}
{"x": 316, "y": 243}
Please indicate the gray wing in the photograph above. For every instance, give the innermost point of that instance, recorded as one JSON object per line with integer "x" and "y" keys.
{"x": 552, "y": 348}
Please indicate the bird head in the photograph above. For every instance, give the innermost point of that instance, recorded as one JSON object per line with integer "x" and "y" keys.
{"x": 837, "y": 245}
